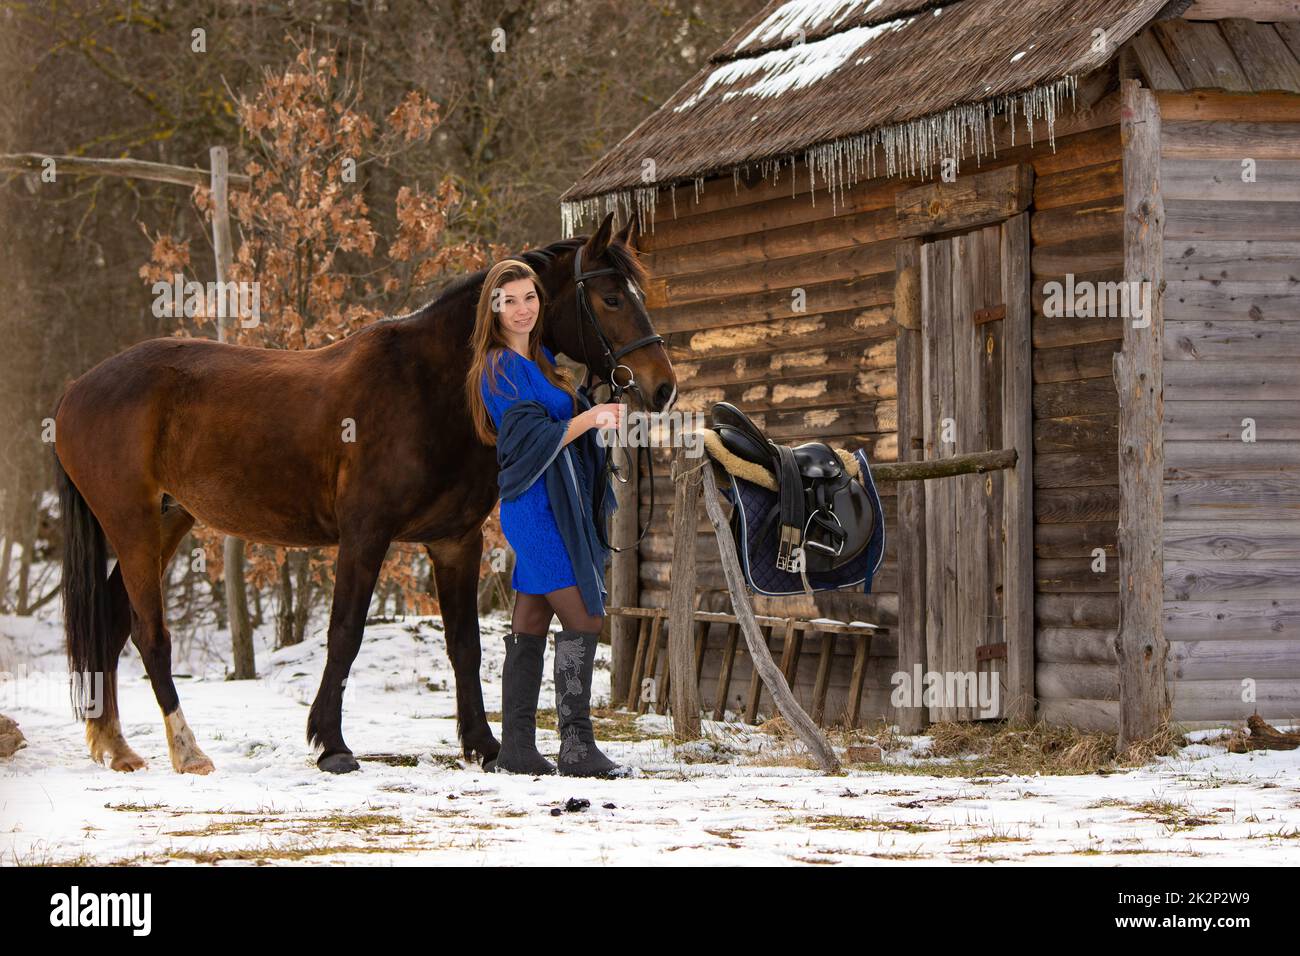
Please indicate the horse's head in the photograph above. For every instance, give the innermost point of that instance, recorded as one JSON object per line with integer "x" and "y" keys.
{"x": 608, "y": 327}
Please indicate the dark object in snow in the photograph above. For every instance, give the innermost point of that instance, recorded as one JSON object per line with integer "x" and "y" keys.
{"x": 1262, "y": 736}
{"x": 11, "y": 738}
{"x": 574, "y": 804}
{"x": 608, "y": 806}
{"x": 556, "y": 811}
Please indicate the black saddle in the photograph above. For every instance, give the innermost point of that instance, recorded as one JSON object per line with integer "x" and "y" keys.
{"x": 826, "y": 517}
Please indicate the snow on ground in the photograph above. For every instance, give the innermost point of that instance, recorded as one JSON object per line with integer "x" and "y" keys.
{"x": 703, "y": 803}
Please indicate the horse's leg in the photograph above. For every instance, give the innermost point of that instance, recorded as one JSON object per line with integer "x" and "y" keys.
{"x": 456, "y": 570}
{"x": 104, "y": 733}
{"x": 136, "y": 533}
{"x": 360, "y": 558}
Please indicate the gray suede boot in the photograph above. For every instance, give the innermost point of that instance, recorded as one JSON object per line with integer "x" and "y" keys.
{"x": 521, "y": 679}
{"x": 575, "y": 657}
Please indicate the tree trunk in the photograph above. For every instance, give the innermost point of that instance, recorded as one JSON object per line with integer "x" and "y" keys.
{"x": 284, "y": 616}
{"x": 5, "y": 550}
{"x": 302, "y": 609}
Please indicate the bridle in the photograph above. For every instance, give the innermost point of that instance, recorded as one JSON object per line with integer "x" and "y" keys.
{"x": 610, "y": 359}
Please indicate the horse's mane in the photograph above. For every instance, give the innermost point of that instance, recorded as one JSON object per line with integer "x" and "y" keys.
{"x": 623, "y": 258}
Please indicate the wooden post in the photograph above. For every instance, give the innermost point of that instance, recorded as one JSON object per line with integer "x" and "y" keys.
{"x": 818, "y": 747}
{"x": 1140, "y": 641}
{"x": 623, "y": 584}
{"x": 241, "y": 631}
{"x": 911, "y": 494}
{"x": 1018, "y": 482}
{"x": 685, "y": 701}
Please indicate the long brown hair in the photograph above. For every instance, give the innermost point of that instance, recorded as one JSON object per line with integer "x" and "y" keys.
{"x": 488, "y": 340}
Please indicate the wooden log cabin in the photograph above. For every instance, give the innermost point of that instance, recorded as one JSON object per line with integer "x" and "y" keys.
{"x": 911, "y": 226}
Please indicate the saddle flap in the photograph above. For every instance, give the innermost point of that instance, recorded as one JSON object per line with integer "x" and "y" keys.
{"x": 740, "y": 436}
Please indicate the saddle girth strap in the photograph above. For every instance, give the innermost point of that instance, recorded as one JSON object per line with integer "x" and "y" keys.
{"x": 790, "y": 486}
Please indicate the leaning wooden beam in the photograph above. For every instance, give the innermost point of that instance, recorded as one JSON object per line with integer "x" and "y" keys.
{"x": 974, "y": 464}
{"x": 685, "y": 700}
{"x": 1140, "y": 644}
{"x": 799, "y": 721}
{"x": 120, "y": 168}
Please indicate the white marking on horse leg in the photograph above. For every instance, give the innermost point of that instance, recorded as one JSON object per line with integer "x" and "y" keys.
{"x": 104, "y": 737}
{"x": 185, "y": 752}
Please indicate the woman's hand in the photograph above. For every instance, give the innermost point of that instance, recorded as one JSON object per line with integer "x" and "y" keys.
{"x": 609, "y": 415}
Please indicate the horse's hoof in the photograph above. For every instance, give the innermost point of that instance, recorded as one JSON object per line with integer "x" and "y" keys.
{"x": 338, "y": 763}
{"x": 200, "y": 765}
{"x": 128, "y": 762}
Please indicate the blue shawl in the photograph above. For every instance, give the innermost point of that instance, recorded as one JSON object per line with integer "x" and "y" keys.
{"x": 528, "y": 446}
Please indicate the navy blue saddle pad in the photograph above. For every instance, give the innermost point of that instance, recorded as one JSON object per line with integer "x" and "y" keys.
{"x": 758, "y": 546}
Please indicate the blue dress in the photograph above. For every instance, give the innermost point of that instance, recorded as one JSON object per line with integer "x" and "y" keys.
{"x": 541, "y": 561}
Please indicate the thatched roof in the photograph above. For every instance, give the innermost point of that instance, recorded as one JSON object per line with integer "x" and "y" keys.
{"x": 832, "y": 81}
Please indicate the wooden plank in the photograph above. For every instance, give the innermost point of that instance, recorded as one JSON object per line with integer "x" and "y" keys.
{"x": 1232, "y": 341}
{"x": 1233, "y": 660}
{"x": 1200, "y": 56}
{"x": 1086, "y": 220}
{"x": 1222, "y": 580}
{"x": 1231, "y": 381}
{"x": 1072, "y": 469}
{"x": 1097, "y": 433}
{"x": 1072, "y": 505}
{"x": 856, "y": 679}
{"x": 1083, "y": 184}
{"x": 1076, "y": 610}
{"x": 1263, "y": 55}
{"x": 651, "y": 664}
{"x": 969, "y": 529}
{"x": 1093, "y": 360}
{"x": 1086, "y": 397}
{"x": 1231, "y": 459}
{"x": 724, "y": 676}
{"x": 1241, "y": 540}
{"x": 1233, "y": 620}
{"x": 1075, "y": 540}
{"x": 1211, "y": 106}
{"x": 681, "y": 651}
{"x": 1152, "y": 61}
{"x": 1076, "y": 645}
{"x": 638, "y": 665}
{"x": 1190, "y": 139}
{"x": 994, "y": 359}
{"x": 823, "y": 678}
{"x": 756, "y": 681}
{"x": 1257, "y": 499}
{"x": 1224, "y": 421}
{"x": 1074, "y": 576}
{"x": 623, "y": 585}
{"x": 1262, "y": 10}
{"x": 1233, "y": 261}
{"x": 1233, "y": 219}
{"x": 911, "y": 527}
{"x": 1217, "y": 180}
{"x": 972, "y": 200}
{"x": 1289, "y": 30}
{"x": 1144, "y": 698}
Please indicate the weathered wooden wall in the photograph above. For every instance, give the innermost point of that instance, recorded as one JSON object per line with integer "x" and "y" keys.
{"x": 1232, "y": 353}
{"x": 724, "y": 272}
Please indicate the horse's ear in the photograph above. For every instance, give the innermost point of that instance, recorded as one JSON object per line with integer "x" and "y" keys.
{"x": 597, "y": 244}
{"x": 628, "y": 233}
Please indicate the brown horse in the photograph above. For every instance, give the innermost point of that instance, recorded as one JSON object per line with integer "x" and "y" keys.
{"x": 358, "y": 444}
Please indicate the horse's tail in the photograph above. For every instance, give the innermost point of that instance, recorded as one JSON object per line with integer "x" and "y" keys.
{"x": 87, "y": 606}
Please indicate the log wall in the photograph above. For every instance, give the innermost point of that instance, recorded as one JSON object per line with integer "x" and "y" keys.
{"x": 1232, "y": 357}
{"x": 724, "y": 274}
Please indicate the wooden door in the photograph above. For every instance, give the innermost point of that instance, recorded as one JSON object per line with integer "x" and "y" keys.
{"x": 968, "y": 407}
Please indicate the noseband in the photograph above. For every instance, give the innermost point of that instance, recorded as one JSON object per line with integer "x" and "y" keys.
{"x": 610, "y": 360}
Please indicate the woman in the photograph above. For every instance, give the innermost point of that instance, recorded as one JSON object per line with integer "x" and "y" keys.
{"x": 542, "y": 427}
